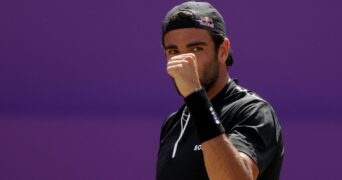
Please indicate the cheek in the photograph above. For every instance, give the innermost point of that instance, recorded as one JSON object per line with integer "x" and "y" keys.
{"x": 167, "y": 55}
{"x": 200, "y": 62}
{"x": 202, "y": 66}
{"x": 204, "y": 61}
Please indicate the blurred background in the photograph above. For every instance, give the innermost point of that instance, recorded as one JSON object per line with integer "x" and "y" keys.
{"x": 83, "y": 87}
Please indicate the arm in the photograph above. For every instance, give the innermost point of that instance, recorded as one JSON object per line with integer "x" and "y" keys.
{"x": 223, "y": 161}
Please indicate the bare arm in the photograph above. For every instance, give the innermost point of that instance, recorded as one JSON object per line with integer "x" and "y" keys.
{"x": 223, "y": 161}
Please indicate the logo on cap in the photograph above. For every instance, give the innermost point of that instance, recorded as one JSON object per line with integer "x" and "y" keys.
{"x": 206, "y": 21}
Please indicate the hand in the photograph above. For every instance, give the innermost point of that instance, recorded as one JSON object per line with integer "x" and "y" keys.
{"x": 183, "y": 69}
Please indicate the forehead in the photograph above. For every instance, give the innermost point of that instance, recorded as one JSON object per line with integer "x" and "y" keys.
{"x": 187, "y": 35}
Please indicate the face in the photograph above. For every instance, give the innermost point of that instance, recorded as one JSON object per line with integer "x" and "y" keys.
{"x": 200, "y": 43}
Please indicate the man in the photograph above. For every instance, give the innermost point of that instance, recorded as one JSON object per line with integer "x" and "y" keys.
{"x": 223, "y": 131}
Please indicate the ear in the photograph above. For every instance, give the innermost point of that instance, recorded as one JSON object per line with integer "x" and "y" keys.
{"x": 224, "y": 51}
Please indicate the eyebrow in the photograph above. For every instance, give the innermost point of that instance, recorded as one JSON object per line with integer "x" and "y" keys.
{"x": 197, "y": 43}
{"x": 170, "y": 47}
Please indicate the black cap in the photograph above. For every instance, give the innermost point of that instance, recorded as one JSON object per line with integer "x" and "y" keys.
{"x": 194, "y": 14}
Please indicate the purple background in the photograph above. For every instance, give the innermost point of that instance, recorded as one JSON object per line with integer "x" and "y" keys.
{"x": 83, "y": 88}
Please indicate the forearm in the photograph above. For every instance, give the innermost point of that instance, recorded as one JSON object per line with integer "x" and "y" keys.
{"x": 223, "y": 161}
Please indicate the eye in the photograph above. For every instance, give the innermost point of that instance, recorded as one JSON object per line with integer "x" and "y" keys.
{"x": 197, "y": 48}
{"x": 172, "y": 51}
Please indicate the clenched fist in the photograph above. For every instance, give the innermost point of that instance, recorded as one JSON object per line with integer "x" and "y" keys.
{"x": 183, "y": 69}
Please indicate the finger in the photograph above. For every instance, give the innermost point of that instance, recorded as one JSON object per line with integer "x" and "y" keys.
{"x": 174, "y": 70}
{"x": 187, "y": 62}
{"x": 192, "y": 55}
{"x": 188, "y": 57}
{"x": 174, "y": 62}
{"x": 191, "y": 58}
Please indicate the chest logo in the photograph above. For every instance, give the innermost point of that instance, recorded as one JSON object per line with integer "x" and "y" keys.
{"x": 198, "y": 147}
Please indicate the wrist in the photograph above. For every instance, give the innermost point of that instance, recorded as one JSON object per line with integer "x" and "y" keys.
{"x": 191, "y": 91}
{"x": 204, "y": 116}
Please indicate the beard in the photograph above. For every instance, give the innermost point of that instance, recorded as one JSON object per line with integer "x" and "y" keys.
{"x": 209, "y": 75}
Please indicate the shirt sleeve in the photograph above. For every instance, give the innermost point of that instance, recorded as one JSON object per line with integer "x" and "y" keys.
{"x": 256, "y": 133}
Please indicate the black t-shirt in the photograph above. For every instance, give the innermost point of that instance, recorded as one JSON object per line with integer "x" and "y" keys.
{"x": 250, "y": 124}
